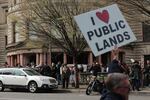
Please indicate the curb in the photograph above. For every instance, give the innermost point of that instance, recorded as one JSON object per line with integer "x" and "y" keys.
{"x": 82, "y": 89}
{"x": 142, "y": 92}
{"x": 145, "y": 93}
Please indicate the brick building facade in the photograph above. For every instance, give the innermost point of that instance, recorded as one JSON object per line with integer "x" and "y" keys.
{"x": 3, "y": 30}
{"x": 22, "y": 50}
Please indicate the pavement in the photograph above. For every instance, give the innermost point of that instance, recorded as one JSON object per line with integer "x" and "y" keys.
{"x": 82, "y": 89}
{"x": 144, "y": 91}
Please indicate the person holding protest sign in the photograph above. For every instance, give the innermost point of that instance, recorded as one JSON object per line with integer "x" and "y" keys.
{"x": 115, "y": 66}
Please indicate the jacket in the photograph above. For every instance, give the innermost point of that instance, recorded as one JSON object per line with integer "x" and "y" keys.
{"x": 136, "y": 72}
{"x": 114, "y": 67}
{"x": 65, "y": 72}
{"x": 95, "y": 69}
{"x": 111, "y": 96}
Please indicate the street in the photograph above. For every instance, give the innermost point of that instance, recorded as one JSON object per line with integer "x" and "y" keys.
{"x": 57, "y": 95}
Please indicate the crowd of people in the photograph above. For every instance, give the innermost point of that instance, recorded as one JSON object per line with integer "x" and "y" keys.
{"x": 139, "y": 76}
{"x": 123, "y": 78}
{"x": 63, "y": 73}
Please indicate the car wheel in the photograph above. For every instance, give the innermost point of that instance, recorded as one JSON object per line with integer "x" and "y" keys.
{"x": 1, "y": 86}
{"x": 32, "y": 87}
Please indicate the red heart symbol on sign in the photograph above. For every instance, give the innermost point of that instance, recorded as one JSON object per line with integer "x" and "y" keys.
{"x": 104, "y": 16}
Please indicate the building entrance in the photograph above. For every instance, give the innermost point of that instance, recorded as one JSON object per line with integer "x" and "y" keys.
{"x": 31, "y": 58}
{"x": 106, "y": 58}
{"x": 146, "y": 57}
{"x": 57, "y": 56}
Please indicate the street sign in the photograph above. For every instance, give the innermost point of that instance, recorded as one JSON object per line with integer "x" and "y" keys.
{"x": 105, "y": 28}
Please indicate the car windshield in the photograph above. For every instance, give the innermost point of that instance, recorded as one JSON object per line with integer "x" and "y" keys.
{"x": 31, "y": 72}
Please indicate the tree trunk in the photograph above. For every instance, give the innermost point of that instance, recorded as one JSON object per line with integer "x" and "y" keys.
{"x": 77, "y": 70}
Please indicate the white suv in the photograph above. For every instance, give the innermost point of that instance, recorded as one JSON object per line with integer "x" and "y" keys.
{"x": 28, "y": 78}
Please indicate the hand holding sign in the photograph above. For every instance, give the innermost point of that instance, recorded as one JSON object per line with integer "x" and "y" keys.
{"x": 115, "y": 50}
{"x": 105, "y": 28}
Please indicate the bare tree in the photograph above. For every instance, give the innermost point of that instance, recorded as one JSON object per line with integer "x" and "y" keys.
{"x": 142, "y": 6}
{"x": 136, "y": 9}
{"x": 53, "y": 20}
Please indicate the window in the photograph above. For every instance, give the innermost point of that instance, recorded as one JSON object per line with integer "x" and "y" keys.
{"x": 83, "y": 58}
{"x": 31, "y": 72}
{"x": 106, "y": 58}
{"x": 31, "y": 34}
{"x": 6, "y": 12}
{"x": 146, "y": 32}
{"x": 27, "y": 27}
{"x": 1, "y": 73}
{"x": 7, "y": 72}
{"x": 6, "y": 41}
{"x": 15, "y": 2}
{"x": 5, "y": 8}
{"x": 14, "y": 32}
{"x": 121, "y": 56}
{"x": 18, "y": 73}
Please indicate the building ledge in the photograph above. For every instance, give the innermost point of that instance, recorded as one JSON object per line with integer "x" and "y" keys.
{"x": 17, "y": 44}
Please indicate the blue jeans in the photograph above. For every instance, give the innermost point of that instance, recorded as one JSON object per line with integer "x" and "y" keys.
{"x": 58, "y": 77}
{"x": 136, "y": 84}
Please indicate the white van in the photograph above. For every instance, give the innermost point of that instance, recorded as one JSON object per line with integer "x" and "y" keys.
{"x": 16, "y": 78}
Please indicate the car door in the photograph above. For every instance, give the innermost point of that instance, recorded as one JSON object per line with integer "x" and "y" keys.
{"x": 8, "y": 77}
{"x": 20, "y": 78}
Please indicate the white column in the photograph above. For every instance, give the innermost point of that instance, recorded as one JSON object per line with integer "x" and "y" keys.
{"x": 21, "y": 60}
{"x": 37, "y": 58}
{"x": 41, "y": 58}
{"x": 90, "y": 58}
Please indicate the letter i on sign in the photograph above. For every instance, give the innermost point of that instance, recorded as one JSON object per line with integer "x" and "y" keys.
{"x": 92, "y": 19}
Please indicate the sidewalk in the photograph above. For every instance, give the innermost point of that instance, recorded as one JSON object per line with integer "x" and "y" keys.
{"x": 82, "y": 89}
{"x": 144, "y": 91}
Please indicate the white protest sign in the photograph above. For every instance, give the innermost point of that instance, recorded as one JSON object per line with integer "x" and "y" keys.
{"x": 105, "y": 28}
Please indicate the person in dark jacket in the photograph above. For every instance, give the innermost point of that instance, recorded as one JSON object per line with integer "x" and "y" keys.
{"x": 65, "y": 73}
{"x": 118, "y": 86}
{"x": 115, "y": 67}
{"x": 136, "y": 75}
{"x": 46, "y": 70}
{"x": 58, "y": 75}
{"x": 147, "y": 73}
{"x": 95, "y": 68}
